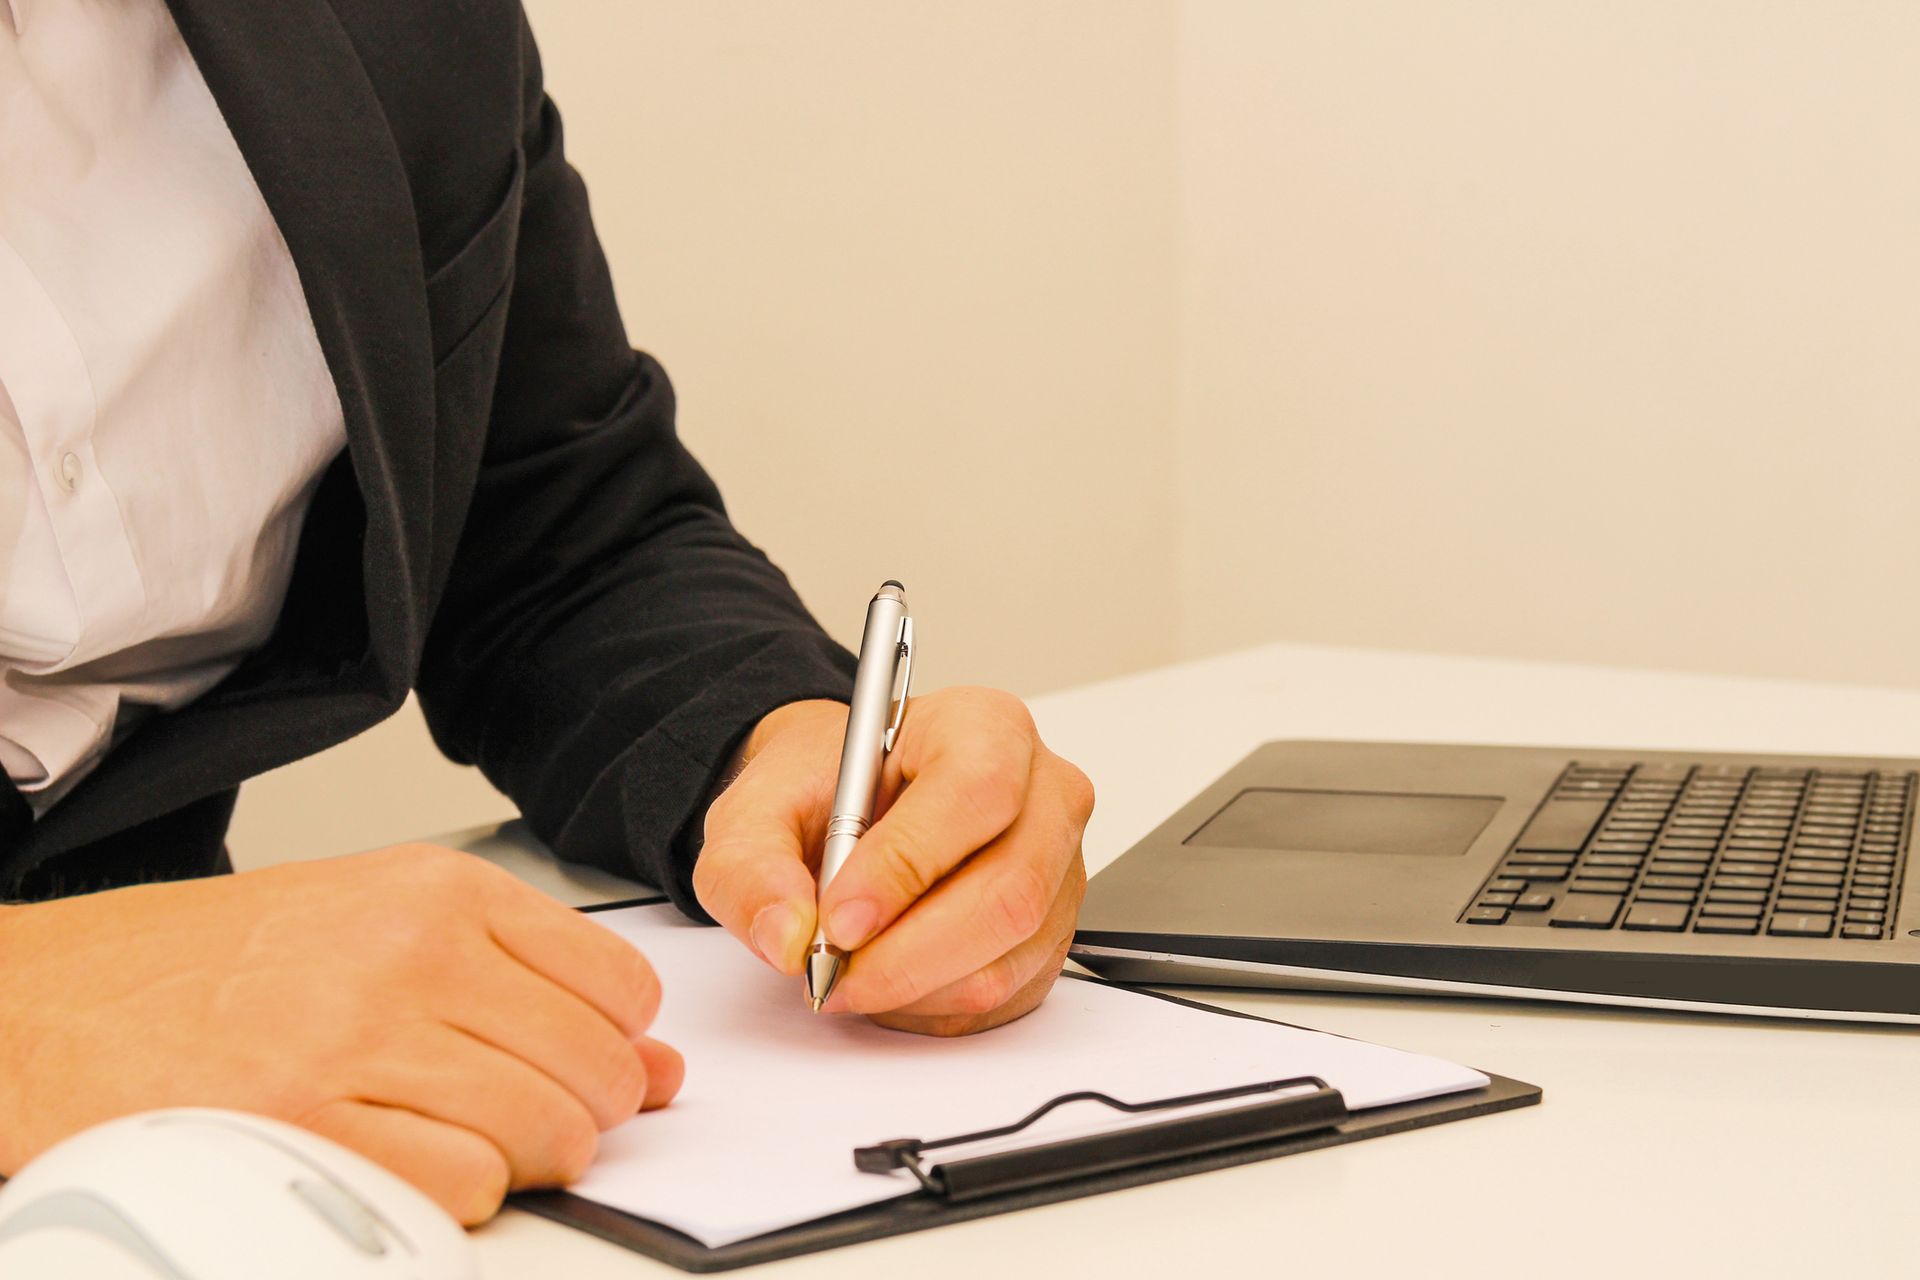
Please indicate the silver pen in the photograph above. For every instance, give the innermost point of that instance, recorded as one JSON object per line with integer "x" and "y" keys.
{"x": 873, "y": 721}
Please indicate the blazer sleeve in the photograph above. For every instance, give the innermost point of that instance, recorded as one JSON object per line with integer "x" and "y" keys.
{"x": 606, "y": 636}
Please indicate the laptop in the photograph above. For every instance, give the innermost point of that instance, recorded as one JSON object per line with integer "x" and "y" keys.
{"x": 1750, "y": 884}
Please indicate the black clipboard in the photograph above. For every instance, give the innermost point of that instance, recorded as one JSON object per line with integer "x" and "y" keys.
{"x": 1303, "y": 1119}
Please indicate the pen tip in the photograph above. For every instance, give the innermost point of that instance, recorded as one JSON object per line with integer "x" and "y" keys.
{"x": 823, "y": 971}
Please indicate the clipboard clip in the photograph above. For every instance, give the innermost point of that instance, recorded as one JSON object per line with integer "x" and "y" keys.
{"x": 1310, "y": 1104}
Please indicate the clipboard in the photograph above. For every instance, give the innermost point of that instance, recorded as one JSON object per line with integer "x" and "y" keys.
{"x": 1295, "y": 1115}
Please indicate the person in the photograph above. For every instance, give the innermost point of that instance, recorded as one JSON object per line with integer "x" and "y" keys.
{"x": 313, "y": 392}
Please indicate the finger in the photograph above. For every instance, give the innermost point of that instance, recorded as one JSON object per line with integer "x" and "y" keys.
{"x": 523, "y": 1013}
{"x": 999, "y": 899}
{"x": 752, "y": 874}
{"x": 1022, "y": 1003}
{"x": 568, "y": 948}
{"x": 666, "y": 1070}
{"x": 967, "y": 762}
{"x": 547, "y": 1137}
{"x": 971, "y": 1002}
{"x": 457, "y": 1168}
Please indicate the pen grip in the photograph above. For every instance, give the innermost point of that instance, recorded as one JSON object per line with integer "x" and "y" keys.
{"x": 842, "y": 834}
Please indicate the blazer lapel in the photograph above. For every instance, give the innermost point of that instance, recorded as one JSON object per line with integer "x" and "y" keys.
{"x": 300, "y": 105}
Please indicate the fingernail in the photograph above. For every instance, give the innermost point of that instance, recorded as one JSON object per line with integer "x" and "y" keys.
{"x": 774, "y": 934}
{"x": 852, "y": 923}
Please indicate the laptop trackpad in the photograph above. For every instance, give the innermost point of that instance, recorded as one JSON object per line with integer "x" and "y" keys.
{"x": 1349, "y": 822}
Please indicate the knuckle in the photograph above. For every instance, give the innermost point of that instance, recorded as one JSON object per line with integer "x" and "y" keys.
{"x": 716, "y": 884}
{"x": 412, "y": 939}
{"x": 1079, "y": 789}
{"x": 985, "y": 990}
{"x": 707, "y": 874}
{"x": 478, "y": 1179}
{"x": 998, "y": 702}
{"x": 908, "y": 861}
{"x": 993, "y": 786}
{"x": 626, "y": 1078}
{"x": 576, "y": 1141}
{"x": 442, "y": 875}
{"x": 1020, "y": 901}
{"x": 427, "y": 859}
{"x": 1016, "y": 712}
{"x": 639, "y": 990}
{"x": 720, "y": 813}
{"x": 724, "y": 877}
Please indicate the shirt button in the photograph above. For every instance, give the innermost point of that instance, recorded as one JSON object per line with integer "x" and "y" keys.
{"x": 69, "y": 471}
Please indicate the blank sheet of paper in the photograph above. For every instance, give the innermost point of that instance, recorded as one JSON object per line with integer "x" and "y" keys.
{"x": 777, "y": 1097}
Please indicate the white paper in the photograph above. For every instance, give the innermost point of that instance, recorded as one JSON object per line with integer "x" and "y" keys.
{"x": 777, "y": 1097}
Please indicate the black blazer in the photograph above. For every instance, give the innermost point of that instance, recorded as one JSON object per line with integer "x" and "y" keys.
{"x": 515, "y": 529}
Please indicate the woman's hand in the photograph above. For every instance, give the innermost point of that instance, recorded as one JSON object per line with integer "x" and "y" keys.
{"x": 957, "y": 905}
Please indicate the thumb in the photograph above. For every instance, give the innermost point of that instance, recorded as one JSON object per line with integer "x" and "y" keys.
{"x": 752, "y": 872}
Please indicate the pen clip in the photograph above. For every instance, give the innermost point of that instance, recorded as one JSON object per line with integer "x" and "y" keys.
{"x": 904, "y": 649}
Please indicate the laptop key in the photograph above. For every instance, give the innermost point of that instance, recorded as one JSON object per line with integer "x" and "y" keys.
{"x": 1507, "y": 886}
{"x": 1498, "y": 899}
{"x": 1667, "y": 917}
{"x": 1727, "y": 924}
{"x": 1800, "y": 925}
{"x": 1664, "y": 895}
{"x": 1487, "y": 915}
{"x": 1538, "y": 900}
{"x": 1854, "y": 929}
{"x": 1744, "y": 910}
{"x": 1600, "y": 886}
{"x": 1586, "y": 911}
{"x": 1803, "y": 906}
{"x": 1745, "y": 869}
{"x": 1561, "y": 826}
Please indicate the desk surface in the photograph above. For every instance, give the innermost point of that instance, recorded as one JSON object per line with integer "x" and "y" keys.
{"x": 1668, "y": 1144}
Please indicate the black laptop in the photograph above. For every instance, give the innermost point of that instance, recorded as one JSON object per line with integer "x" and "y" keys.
{"x": 1743, "y": 884}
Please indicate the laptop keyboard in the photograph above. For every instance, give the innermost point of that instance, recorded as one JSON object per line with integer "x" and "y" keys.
{"x": 1708, "y": 849}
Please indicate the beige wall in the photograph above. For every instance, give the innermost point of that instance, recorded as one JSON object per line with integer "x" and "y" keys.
{"x": 1567, "y": 330}
{"x": 1149, "y": 329}
{"x": 911, "y": 268}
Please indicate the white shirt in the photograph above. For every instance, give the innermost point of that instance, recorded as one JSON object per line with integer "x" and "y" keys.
{"x": 165, "y": 411}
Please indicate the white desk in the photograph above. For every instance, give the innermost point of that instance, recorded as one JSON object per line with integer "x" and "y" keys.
{"x": 1667, "y": 1145}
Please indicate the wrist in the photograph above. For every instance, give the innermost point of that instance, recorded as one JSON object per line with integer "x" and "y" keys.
{"x": 16, "y": 1037}
{"x": 779, "y": 719}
